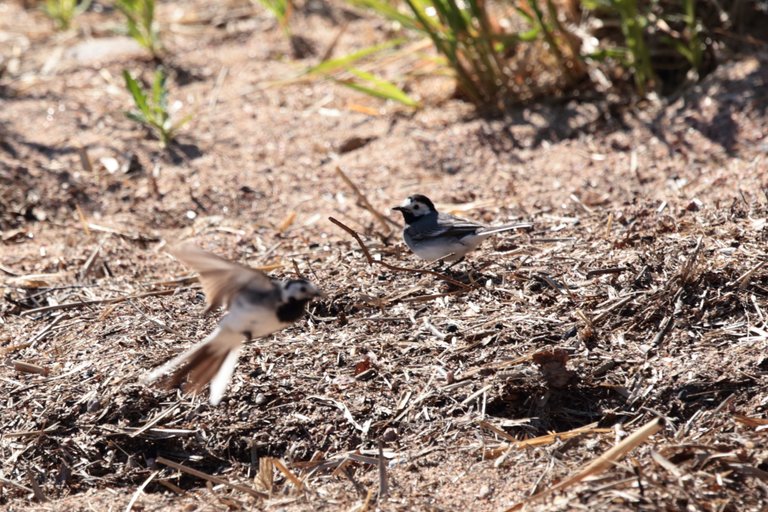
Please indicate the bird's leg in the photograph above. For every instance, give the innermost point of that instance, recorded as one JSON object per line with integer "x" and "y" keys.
{"x": 441, "y": 261}
{"x": 438, "y": 265}
{"x": 454, "y": 263}
{"x": 249, "y": 338}
{"x": 474, "y": 271}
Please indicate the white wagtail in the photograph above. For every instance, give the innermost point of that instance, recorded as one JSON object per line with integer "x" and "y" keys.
{"x": 257, "y": 306}
{"x": 432, "y": 235}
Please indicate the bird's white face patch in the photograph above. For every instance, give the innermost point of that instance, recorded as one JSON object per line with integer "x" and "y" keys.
{"x": 299, "y": 289}
{"x": 416, "y": 207}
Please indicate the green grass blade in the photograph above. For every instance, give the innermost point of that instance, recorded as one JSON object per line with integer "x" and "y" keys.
{"x": 448, "y": 48}
{"x": 82, "y": 6}
{"x": 379, "y": 87}
{"x": 389, "y": 11}
{"x": 608, "y": 53}
{"x": 368, "y": 91}
{"x": 451, "y": 15}
{"x": 139, "y": 98}
{"x": 136, "y": 116}
{"x": 331, "y": 65}
{"x": 419, "y": 8}
{"x": 159, "y": 105}
{"x": 159, "y": 91}
{"x": 530, "y": 35}
{"x": 149, "y": 13}
{"x": 181, "y": 122}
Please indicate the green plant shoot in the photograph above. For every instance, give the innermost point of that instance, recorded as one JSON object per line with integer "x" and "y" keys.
{"x": 63, "y": 12}
{"x": 281, "y": 10}
{"x": 342, "y": 70}
{"x": 140, "y": 16}
{"x": 152, "y": 107}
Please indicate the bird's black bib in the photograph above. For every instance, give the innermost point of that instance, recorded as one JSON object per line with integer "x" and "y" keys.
{"x": 291, "y": 310}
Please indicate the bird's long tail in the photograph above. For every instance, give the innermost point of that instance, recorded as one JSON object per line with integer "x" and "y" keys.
{"x": 211, "y": 360}
{"x": 507, "y": 227}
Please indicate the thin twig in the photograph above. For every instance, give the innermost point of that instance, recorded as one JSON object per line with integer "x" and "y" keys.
{"x": 297, "y": 269}
{"x": 666, "y": 325}
{"x": 602, "y": 271}
{"x": 38, "y": 492}
{"x": 383, "y": 484}
{"x": 11, "y": 483}
{"x": 385, "y": 221}
{"x": 90, "y": 261}
{"x": 331, "y": 47}
{"x": 354, "y": 234}
{"x": 71, "y": 305}
{"x": 686, "y": 272}
{"x": 154, "y": 421}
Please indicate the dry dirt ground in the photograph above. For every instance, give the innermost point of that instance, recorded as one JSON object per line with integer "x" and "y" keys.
{"x": 645, "y": 271}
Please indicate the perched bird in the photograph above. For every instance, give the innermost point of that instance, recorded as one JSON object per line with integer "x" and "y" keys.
{"x": 440, "y": 236}
{"x": 256, "y": 306}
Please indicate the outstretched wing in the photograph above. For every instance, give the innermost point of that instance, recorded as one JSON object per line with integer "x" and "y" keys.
{"x": 221, "y": 279}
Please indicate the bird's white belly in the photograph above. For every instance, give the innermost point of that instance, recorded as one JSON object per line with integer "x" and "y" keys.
{"x": 259, "y": 321}
{"x": 437, "y": 249}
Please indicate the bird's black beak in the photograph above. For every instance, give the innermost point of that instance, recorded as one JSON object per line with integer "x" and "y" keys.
{"x": 399, "y": 208}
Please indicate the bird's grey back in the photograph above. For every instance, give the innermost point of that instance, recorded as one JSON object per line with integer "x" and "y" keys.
{"x": 256, "y": 294}
{"x": 441, "y": 224}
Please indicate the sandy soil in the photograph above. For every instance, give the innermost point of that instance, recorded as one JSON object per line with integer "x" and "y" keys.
{"x": 644, "y": 271}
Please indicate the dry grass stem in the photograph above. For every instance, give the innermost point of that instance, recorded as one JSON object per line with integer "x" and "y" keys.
{"x": 288, "y": 474}
{"x": 24, "y": 367}
{"x": 604, "y": 461}
{"x": 210, "y": 478}
{"x": 140, "y": 490}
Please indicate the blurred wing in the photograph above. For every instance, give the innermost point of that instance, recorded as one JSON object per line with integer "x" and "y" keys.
{"x": 221, "y": 279}
{"x": 220, "y": 382}
{"x": 212, "y": 360}
{"x": 447, "y": 225}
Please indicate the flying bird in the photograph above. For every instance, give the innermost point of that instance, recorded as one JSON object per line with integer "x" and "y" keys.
{"x": 256, "y": 305}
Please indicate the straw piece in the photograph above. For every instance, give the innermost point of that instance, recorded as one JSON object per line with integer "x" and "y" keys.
{"x": 140, "y": 490}
{"x": 602, "y": 462}
{"x": 210, "y": 478}
{"x": 750, "y": 421}
{"x": 24, "y": 367}
{"x": 288, "y": 473}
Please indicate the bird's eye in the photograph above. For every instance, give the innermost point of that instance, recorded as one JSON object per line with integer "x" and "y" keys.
{"x": 415, "y": 207}
{"x": 303, "y": 289}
